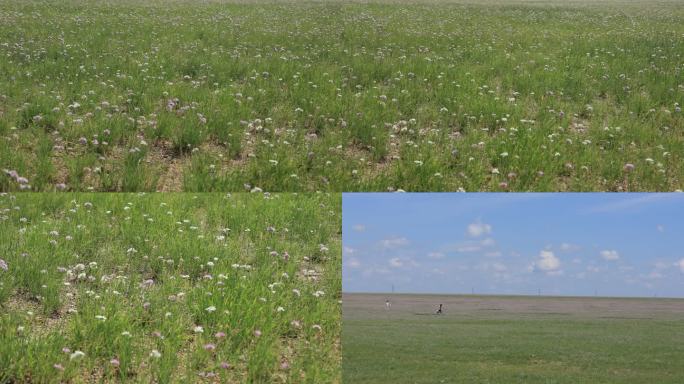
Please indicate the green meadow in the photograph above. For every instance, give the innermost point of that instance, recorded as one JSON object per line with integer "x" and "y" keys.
{"x": 169, "y": 288}
{"x": 500, "y": 339}
{"x": 421, "y": 95}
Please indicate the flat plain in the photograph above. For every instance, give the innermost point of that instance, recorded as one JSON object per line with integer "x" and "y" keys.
{"x": 341, "y": 96}
{"x": 169, "y": 288}
{"x": 512, "y": 339}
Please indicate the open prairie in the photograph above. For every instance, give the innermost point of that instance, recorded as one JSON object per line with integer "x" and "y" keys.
{"x": 341, "y": 96}
{"x": 512, "y": 339}
{"x": 169, "y": 288}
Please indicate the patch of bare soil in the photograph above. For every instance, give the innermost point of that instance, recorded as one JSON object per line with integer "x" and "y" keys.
{"x": 162, "y": 154}
{"x": 43, "y": 324}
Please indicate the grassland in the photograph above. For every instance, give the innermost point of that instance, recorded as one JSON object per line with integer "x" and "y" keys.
{"x": 169, "y": 288}
{"x": 481, "y": 339}
{"x": 341, "y": 96}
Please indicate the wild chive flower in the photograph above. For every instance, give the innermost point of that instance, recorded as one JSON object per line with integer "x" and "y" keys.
{"x": 257, "y": 333}
{"x": 155, "y": 354}
{"x": 629, "y": 167}
{"x": 225, "y": 365}
{"x": 209, "y": 347}
{"x": 76, "y": 355}
{"x": 210, "y": 309}
{"x": 115, "y": 362}
{"x": 3, "y": 265}
{"x": 220, "y": 335}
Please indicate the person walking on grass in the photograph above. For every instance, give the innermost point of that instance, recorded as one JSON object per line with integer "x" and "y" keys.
{"x": 388, "y": 305}
{"x": 439, "y": 311}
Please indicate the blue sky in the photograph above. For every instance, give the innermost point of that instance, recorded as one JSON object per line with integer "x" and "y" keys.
{"x": 554, "y": 243}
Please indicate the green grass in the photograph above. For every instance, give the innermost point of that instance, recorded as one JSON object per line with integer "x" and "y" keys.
{"x": 342, "y": 96}
{"x": 600, "y": 341}
{"x": 118, "y": 276}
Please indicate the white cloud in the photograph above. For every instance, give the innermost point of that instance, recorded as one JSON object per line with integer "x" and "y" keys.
{"x": 478, "y": 229}
{"x": 680, "y": 263}
{"x": 394, "y": 242}
{"x": 396, "y": 262}
{"x": 660, "y": 265}
{"x": 499, "y": 267}
{"x": 488, "y": 242}
{"x": 468, "y": 248}
{"x": 655, "y": 275}
{"x": 349, "y": 250}
{"x": 610, "y": 255}
{"x": 493, "y": 254}
{"x": 353, "y": 262}
{"x": 436, "y": 255}
{"x": 567, "y": 247}
{"x": 359, "y": 227}
{"x": 547, "y": 261}
{"x": 660, "y": 228}
{"x": 593, "y": 269}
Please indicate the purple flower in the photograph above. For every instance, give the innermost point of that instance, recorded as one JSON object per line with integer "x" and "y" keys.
{"x": 225, "y": 365}
{"x": 61, "y": 186}
{"x": 83, "y": 141}
{"x": 13, "y": 174}
{"x": 629, "y": 167}
{"x": 209, "y": 347}
{"x": 114, "y": 362}
{"x": 58, "y": 367}
{"x": 3, "y": 265}
{"x": 220, "y": 335}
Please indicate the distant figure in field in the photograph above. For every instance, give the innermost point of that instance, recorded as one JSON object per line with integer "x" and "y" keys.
{"x": 439, "y": 311}
{"x": 388, "y": 305}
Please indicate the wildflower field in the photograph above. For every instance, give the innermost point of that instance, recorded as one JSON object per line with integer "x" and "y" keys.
{"x": 169, "y": 288}
{"x": 341, "y": 96}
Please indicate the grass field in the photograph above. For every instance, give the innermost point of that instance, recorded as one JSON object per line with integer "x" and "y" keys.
{"x": 341, "y": 96}
{"x": 169, "y": 288}
{"x": 490, "y": 339}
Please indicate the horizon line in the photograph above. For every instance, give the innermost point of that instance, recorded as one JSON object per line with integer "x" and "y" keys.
{"x": 514, "y": 295}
